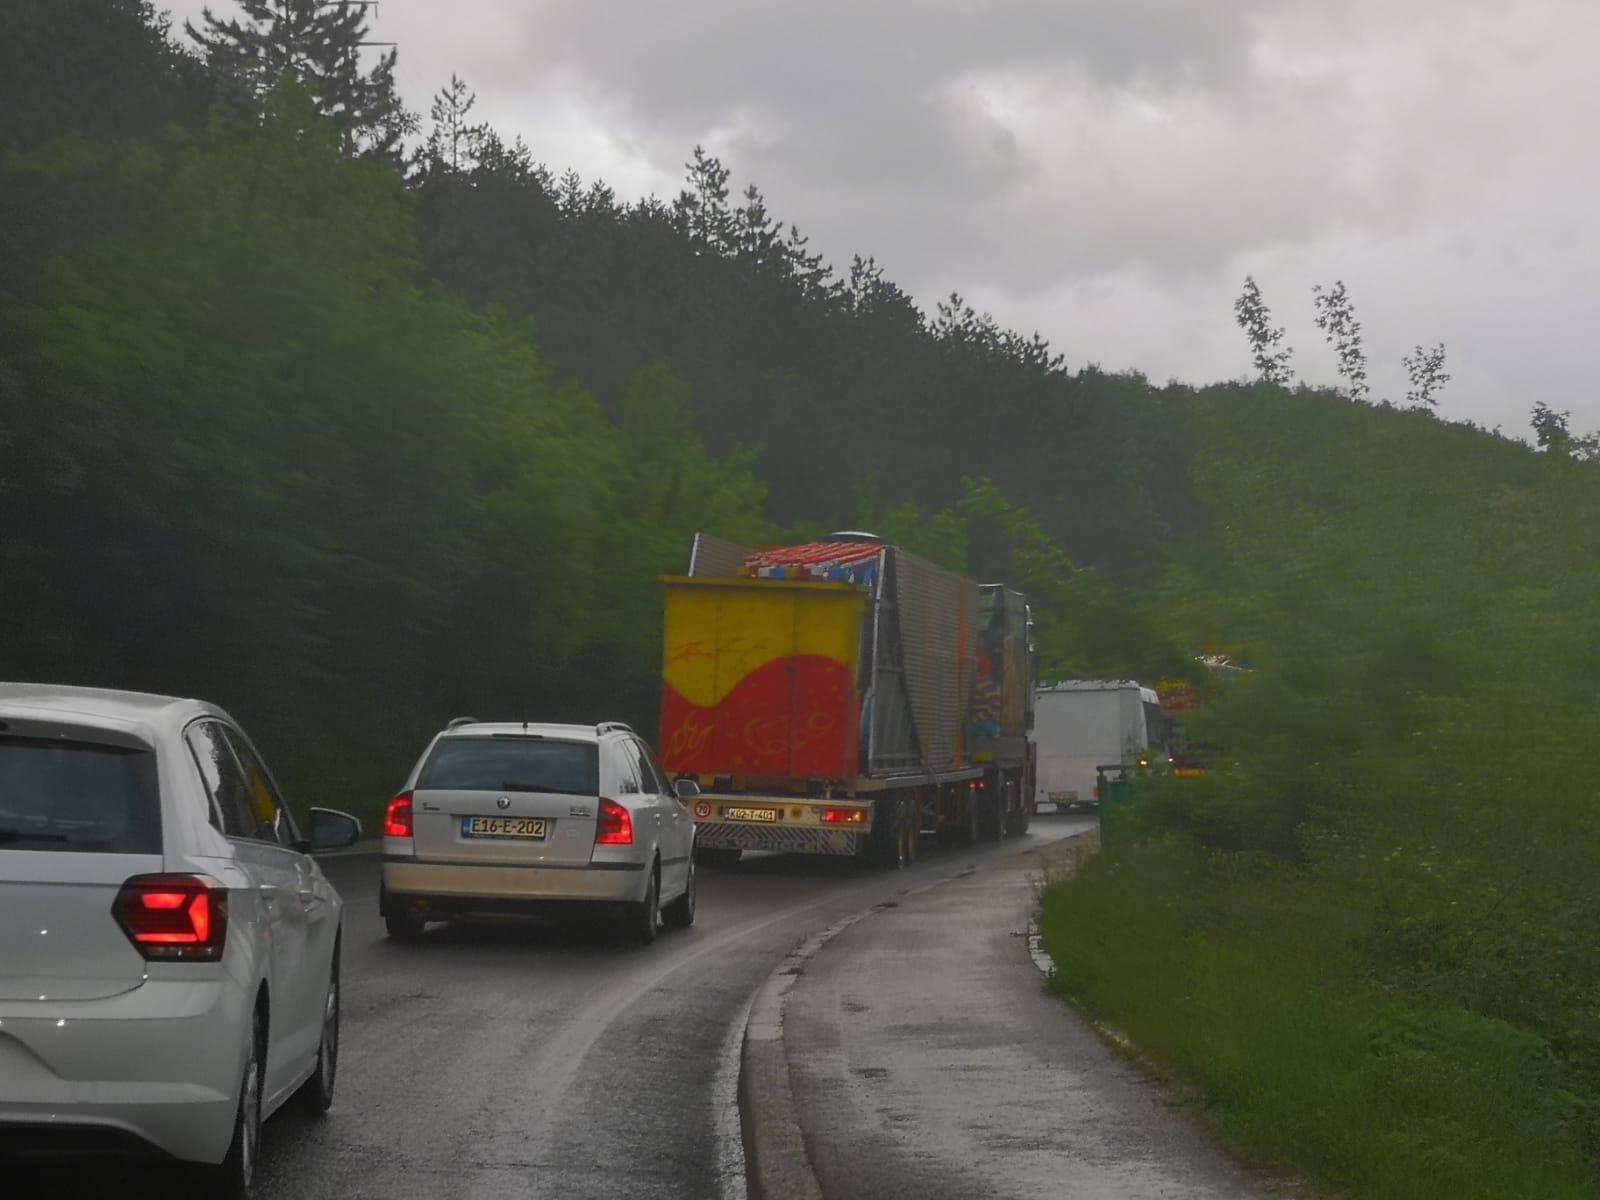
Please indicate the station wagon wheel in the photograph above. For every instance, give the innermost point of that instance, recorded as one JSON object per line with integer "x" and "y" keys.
{"x": 402, "y": 926}
{"x": 645, "y": 917}
{"x": 680, "y": 913}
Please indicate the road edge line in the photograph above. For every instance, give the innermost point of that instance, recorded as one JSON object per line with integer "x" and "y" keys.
{"x": 777, "y": 1166}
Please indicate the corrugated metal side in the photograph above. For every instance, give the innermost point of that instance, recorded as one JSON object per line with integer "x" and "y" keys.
{"x": 892, "y": 747}
{"x": 717, "y": 557}
{"x": 938, "y": 628}
{"x": 1016, "y": 682}
{"x": 1005, "y": 678}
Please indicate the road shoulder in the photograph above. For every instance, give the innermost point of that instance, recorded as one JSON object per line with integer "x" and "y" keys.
{"x": 918, "y": 1054}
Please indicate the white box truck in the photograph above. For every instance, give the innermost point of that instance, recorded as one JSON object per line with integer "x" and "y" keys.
{"x": 1082, "y": 724}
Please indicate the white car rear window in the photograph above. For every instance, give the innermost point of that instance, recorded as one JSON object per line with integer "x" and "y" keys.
{"x": 512, "y": 764}
{"x": 78, "y": 796}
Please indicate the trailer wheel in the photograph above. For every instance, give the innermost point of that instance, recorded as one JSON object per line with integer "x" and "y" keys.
{"x": 887, "y": 839}
{"x": 908, "y": 836}
{"x": 972, "y": 826}
{"x": 1016, "y": 820}
{"x": 990, "y": 808}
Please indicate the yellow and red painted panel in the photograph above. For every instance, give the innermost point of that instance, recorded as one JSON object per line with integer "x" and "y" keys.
{"x": 759, "y": 677}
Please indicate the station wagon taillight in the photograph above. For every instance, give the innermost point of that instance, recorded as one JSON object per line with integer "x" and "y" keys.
{"x": 397, "y": 820}
{"x": 181, "y": 918}
{"x": 615, "y": 826}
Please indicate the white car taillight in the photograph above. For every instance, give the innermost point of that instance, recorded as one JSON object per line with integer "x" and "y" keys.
{"x": 397, "y": 820}
{"x": 615, "y": 826}
{"x": 180, "y": 918}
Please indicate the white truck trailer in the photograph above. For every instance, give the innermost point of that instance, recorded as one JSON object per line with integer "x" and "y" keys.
{"x": 1082, "y": 724}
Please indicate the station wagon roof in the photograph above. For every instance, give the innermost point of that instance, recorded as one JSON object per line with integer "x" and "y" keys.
{"x": 573, "y": 733}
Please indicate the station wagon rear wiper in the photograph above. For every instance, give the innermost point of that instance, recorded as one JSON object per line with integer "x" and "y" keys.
{"x": 18, "y": 835}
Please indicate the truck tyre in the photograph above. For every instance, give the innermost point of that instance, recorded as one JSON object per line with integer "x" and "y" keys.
{"x": 1016, "y": 819}
{"x": 971, "y": 827}
{"x": 886, "y": 842}
{"x": 989, "y": 803}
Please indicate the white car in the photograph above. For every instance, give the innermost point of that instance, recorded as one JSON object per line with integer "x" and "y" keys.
{"x": 536, "y": 818}
{"x": 169, "y": 951}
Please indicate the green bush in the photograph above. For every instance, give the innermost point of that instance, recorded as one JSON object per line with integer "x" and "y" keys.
{"x": 1243, "y": 982}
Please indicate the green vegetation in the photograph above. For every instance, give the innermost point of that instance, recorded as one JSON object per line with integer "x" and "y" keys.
{"x": 252, "y": 452}
{"x": 1365, "y": 937}
{"x": 1245, "y": 983}
{"x": 353, "y": 448}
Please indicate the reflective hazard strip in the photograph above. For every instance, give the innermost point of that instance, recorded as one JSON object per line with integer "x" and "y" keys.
{"x": 737, "y": 835}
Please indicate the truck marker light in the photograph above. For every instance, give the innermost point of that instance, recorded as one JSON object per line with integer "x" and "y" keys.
{"x": 844, "y": 816}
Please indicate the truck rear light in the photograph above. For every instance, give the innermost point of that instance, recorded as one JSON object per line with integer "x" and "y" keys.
{"x": 844, "y": 816}
{"x": 397, "y": 820}
{"x": 615, "y": 826}
{"x": 180, "y": 918}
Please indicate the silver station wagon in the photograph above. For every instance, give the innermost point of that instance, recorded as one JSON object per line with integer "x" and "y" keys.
{"x": 537, "y": 818}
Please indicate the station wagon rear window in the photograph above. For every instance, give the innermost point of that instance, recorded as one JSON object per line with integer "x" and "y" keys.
{"x": 78, "y": 796}
{"x": 512, "y": 764}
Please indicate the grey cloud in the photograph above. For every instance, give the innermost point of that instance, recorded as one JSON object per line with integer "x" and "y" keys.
{"x": 1094, "y": 168}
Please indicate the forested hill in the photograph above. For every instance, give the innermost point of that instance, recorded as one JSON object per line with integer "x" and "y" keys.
{"x": 325, "y": 434}
{"x": 851, "y": 396}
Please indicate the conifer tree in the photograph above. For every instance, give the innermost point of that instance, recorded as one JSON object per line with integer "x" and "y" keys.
{"x": 318, "y": 42}
{"x": 454, "y": 142}
{"x": 701, "y": 209}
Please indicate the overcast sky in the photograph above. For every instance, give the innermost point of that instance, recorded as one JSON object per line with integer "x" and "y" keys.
{"x": 1108, "y": 171}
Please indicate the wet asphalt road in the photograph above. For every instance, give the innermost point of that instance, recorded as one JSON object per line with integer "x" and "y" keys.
{"x": 929, "y": 1062}
{"x": 556, "y": 1060}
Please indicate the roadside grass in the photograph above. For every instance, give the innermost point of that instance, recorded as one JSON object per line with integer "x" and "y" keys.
{"x": 1244, "y": 985}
